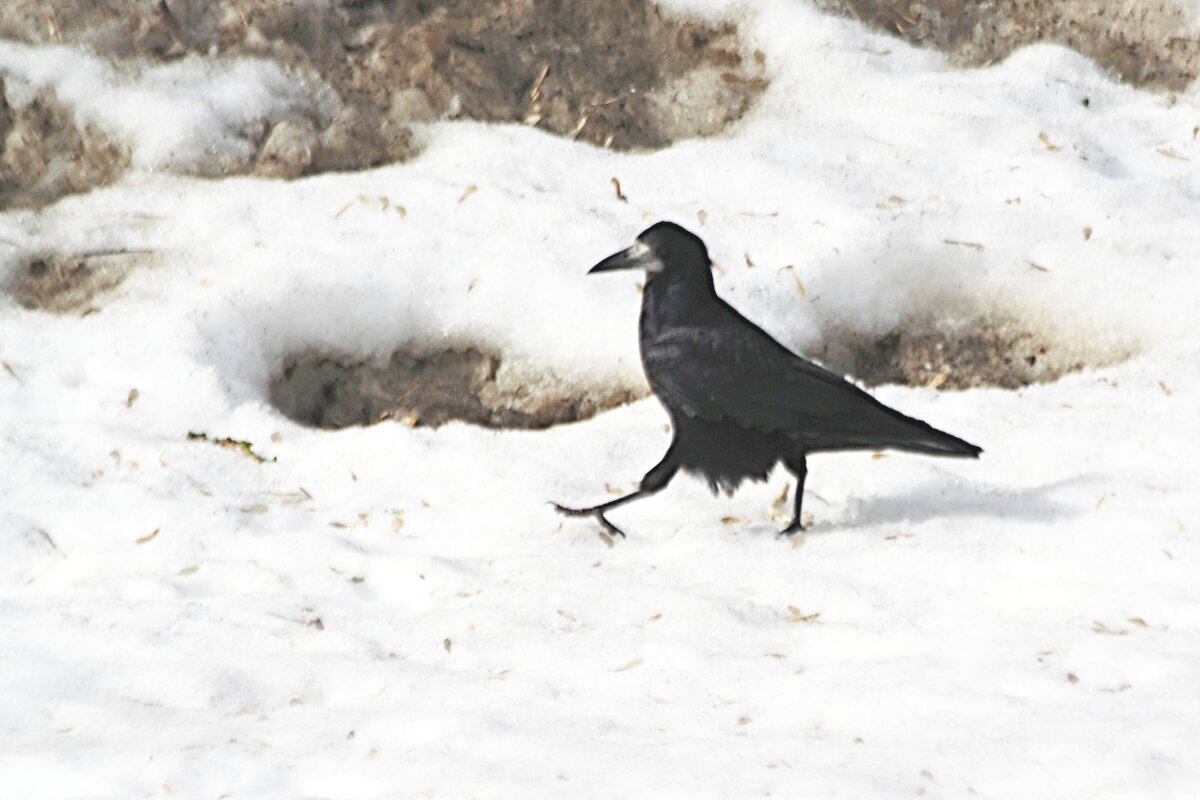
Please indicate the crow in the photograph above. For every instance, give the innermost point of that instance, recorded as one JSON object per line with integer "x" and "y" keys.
{"x": 739, "y": 401}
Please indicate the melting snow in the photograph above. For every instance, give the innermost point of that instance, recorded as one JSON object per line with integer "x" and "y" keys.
{"x": 395, "y": 611}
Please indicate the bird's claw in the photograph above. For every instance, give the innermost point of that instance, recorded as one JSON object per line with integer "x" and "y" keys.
{"x": 591, "y": 512}
{"x": 795, "y": 527}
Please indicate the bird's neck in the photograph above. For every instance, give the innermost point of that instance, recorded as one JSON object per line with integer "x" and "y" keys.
{"x": 674, "y": 300}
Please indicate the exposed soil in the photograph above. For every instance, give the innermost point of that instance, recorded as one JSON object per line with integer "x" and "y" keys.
{"x": 617, "y": 73}
{"x": 1004, "y": 355}
{"x": 45, "y": 153}
{"x": 426, "y": 390}
{"x": 1143, "y": 42}
{"x": 468, "y": 385}
{"x": 64, "y": 283}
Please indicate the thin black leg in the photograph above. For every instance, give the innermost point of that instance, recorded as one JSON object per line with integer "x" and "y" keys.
{"x": 799, "y": 466}
{"x": 655, "y": 480}
{"x": 598, "y": 511}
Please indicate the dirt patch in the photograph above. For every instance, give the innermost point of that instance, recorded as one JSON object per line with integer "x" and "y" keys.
{"x": 425, "y": 390}
{"x": 468, "y": 384}
{"x": 63, "y": 283}
{"x": 964, "y": 354}
{"x": 1144, "y": 43}
{"x": 45, "y": 154}
{"x": 1004, "y": 356}
{"x": 599, "y": 70}
{"x": 617, "y": 73}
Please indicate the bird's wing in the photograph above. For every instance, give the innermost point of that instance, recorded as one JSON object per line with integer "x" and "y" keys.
{"x": 739, "y": 373}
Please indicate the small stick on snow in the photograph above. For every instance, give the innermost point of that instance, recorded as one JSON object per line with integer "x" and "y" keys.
{"x": 620, "y": 195}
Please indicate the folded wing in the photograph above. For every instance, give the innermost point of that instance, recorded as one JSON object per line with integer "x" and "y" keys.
{"x": 739, "y": 374}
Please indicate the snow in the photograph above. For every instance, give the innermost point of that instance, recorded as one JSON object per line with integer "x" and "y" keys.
{"x": 190, "y": 116}
{"x": 1027, "y": 625}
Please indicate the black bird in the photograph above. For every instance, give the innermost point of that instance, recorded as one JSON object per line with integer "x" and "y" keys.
{"x": 740, "y": 401}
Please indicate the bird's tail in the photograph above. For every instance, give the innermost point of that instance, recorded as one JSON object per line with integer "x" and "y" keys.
{"x": 916, "y": 436}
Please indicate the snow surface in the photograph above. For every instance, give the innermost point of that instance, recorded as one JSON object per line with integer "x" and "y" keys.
{"x": 1027, "y": 625}
{"x": 191, "y": 116}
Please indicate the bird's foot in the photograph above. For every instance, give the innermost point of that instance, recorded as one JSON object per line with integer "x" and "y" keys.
{"x": 796, "y": 527}
{"x": 598, "y": 513}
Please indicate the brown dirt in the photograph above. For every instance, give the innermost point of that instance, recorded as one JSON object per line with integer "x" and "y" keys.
{"x": 617, "y": 73}
{"x": 426, "y": 390}
{"x": 1143, "y": 42}
{"x": 468, "y": 384}
{"x": 430, "y": 390}
{"x": 1004, "y": 355}
{"x": 64, "y": 283}
{"x": 45, "y": 153}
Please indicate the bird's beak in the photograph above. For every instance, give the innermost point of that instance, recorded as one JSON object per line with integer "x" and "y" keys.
{"x": 640, "y": 256}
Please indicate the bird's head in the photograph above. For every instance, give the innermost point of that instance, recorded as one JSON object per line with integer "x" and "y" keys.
{"x": 664, "y": 247}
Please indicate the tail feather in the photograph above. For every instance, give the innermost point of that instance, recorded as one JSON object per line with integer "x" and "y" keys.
{"x": 921, "y": 437}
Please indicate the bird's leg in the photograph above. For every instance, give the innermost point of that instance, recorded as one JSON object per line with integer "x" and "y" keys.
{"x": 657, "y": 478}
{"x": 598, "y": 511}
{"x": 799, "y": 466}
